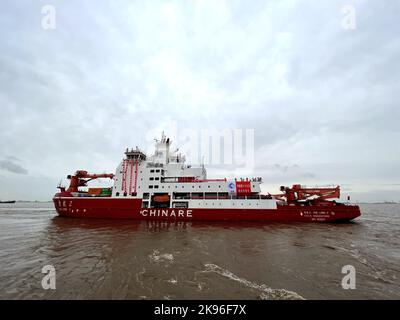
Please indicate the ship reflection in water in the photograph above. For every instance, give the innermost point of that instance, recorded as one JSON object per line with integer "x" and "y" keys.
{"x": 125, "y": 259}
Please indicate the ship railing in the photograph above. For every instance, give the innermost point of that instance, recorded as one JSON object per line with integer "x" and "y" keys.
{"x": 176, "y": 179}
{"x": 223, "y": 197}
{"x": 154, "y": 165}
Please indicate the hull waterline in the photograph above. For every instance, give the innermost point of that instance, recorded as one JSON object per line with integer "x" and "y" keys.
{"x": 129, "y": 208}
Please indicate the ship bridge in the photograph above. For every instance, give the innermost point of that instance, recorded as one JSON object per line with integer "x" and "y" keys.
{"x": 135, "y": 154}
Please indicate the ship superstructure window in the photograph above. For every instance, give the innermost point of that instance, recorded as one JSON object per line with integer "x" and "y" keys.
{"x": 210, "y": 194}
{"x": 150, "y": 187}
{"x": 181, "y": 195}
{"x": 117, "y": 194}
{"x": 155, "y": 187}
{"x": 157, "y": 178}
{"x": 197, "y": 195}
{"x": 180, "y": 204}
{"x": 146, "y": 195}
{"x": 151, "y": 178}
{"x": 158, "y": 170}
{"x": 152, "y": 171}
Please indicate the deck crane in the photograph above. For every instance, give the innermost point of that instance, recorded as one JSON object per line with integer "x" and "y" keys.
{"x": 298, "y": 195}
{"x": 82, "y": 177}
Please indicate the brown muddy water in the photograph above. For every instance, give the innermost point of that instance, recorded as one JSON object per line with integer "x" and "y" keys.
{"x": 105, "y": 259}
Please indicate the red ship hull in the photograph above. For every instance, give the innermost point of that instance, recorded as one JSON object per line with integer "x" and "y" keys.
{"x": 131, "y": 208}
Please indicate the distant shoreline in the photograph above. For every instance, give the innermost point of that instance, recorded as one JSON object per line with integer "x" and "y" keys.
{"x": 49, "y": 201}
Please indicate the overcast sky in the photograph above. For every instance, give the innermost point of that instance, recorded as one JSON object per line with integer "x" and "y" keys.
{"x": 322, "y": 97}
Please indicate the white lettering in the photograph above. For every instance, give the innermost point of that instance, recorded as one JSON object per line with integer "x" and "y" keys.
{"x": 49, "y": 280}
{"x": 349, "y": 280}
{"x": 349, "y": 20}
{"x": 49, "y": 20}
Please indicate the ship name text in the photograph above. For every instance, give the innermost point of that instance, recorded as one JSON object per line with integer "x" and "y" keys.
{"x": 166, "y": 213}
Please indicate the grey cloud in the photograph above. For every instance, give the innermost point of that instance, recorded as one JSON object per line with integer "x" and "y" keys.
{"x": 315, "y": 94}
{"x": 308, "y": 175}
{"x": 13, "y": 167}
{"x": 12, "y": 158}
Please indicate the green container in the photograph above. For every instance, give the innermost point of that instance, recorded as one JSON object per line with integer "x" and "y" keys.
{"x": 105, "y": 192}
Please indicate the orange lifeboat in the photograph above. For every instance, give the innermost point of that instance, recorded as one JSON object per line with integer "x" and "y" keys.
{"x": 161, "y": 198}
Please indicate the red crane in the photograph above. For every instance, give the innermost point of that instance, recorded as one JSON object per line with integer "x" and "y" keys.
{"x": 81, "y": 178}
{"x": 298, "y": 194}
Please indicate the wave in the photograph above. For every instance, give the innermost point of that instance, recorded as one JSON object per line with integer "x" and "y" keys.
{"x": 157, "y": 257}
{"x": 267, "y": 293}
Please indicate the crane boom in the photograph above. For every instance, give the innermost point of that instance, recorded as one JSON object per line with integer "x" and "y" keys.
{"x": 300, "y": 194}
{"x": 82, "y": 177}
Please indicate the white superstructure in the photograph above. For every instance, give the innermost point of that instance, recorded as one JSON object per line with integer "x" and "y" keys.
{"x": 164, "y": 180}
